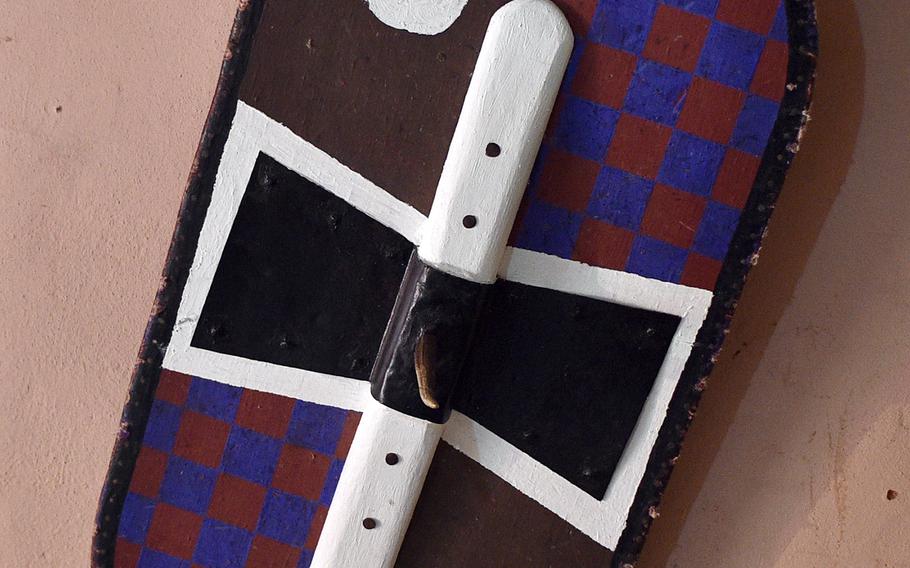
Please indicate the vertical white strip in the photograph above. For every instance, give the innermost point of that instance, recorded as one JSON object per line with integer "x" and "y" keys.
{"x": 373, "y": 491}
{"x": 518, "y": 73}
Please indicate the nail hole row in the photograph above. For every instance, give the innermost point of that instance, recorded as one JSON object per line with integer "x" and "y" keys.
{"x": 391, "y": 458}
{"x": 492, "y": 150}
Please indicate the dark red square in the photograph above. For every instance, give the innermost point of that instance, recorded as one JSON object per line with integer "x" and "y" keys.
{"x": 126, "y": 554}
{"x": 603, "y": 75}
{"x": 312, "y": 538}
{"x": 673, "y": 216}
{"x": 602, "y": 244}
{"x": 711, "y": 110}
{"x": 268, "y": 553}
{"x": 700, "y": 271}
{"x": 771, "y": 74}
{"x": 513, "y": 239}
{"x": 567, "y": 180}
{"x": 301, "y": 471}
{"x": 173, "y": 387}
{"x": 579, "y": 13}
{"x": 148, "y": 473}
{"x": 638, "y": 146}
{"x": 351, "y": 421}
{"x": 173, "y": 531}
{"x": 755, "y": 15}
{"x": 735, "y": 178}
{"x": 553, "y": 121}
{"x": 201, "y": 438}
{"x": 676, "y": 38}
{"x": 264, "y": 412}
{"x": 237, "y": 501}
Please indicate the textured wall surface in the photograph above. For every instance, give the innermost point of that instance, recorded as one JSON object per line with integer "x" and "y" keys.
{"x": 803, "y": 431}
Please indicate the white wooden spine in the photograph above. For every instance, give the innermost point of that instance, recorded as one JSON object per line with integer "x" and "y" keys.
{"x": 515, "y": 82}
{"x": 372, "y": 506}
{"x": 509, "y": 99}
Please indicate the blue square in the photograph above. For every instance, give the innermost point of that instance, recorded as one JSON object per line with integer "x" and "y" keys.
{"x": 135, "y": 518}
{"x": 534, "y": 179}
{"x": 652, "y": 258}
{"x": 154, "y": 559}
{"x": 251, "y": 455}
{"x": 331, "y": 482}
{"x": 730, "y": 55}
{"x": 222, "y": 546}
{"x": 657, "y": 92}
{"x": 756, "y": 121}
{"x": 187, "y": 485}
{"x": 701, "y": 7}
{"x": 218, "y": 400}
{"x": 316, "y": 427}
{"x": 691, "y": 163}
{"x": 286, "y": 518}
{"x": 779, "y": 29}
{"x": 161, "y": 428}
{"x": 717, "y": 227}
{"x": 577, "y": 50}
{"x": 623, "y": 24}
{"x": 620, "y": 198}
{"x": 585, "y": 128}
{"x": 306, "y": 558}
{"x": 548, "y": 229}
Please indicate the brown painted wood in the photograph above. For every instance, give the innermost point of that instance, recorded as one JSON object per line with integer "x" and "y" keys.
{"x": 467, "y": 516}
{"x": 382, "y": 101}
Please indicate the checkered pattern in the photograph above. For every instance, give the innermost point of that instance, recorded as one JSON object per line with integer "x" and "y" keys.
{"x": 230, "y": 477}
{"x": 657, "y": 134}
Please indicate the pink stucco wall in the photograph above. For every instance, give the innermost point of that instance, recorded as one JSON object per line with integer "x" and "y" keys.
{"x": 806, "y": 424}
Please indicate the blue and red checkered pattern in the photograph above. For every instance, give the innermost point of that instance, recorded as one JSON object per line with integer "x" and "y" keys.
{"x": 231, "y": 478}
{"x": 657, "y": 134}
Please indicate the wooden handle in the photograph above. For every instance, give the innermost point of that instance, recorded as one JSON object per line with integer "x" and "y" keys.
{"x": 518, "y": 73}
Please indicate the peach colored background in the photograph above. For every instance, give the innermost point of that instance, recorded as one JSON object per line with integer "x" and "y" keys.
{"x": 804, "y": 428}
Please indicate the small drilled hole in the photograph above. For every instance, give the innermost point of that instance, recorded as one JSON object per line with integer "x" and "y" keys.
{"x": 493, "y": 149}
{"x": 469, "y": 221}
{"x": 391, "y": 459}
{"x": 891, "y": 495}
{"x": 369, "y": 523}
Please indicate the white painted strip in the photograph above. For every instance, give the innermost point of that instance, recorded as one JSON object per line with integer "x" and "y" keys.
{"x": 295, "y": 153}
{"x": 321, "y": 388}
{"x": 426, "y": 17}
{"x": 515, "y": 82}
{"x": 547, "y": 271}
{"x": 512, "y": 90}
{"x": 371, "y": 488}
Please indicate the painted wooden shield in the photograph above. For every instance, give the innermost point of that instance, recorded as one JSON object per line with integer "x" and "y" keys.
{"x": 317, "y": 386}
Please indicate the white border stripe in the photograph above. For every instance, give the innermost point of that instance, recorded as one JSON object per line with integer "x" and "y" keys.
{"x": 425, "y": 17}
{"x": 547, "y": 271}
{"x": 321, "y": 388}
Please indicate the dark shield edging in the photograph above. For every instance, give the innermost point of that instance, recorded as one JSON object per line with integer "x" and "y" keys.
{"x": 744, "y": 248}
{"x": 177, "y": 267}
